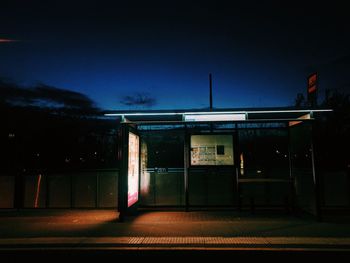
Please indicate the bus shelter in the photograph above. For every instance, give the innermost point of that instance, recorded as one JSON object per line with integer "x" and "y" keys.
{"x": 218, "y": 159}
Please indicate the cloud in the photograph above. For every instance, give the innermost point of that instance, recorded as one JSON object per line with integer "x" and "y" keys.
{"x": 68, "y": 98}
{"x": 139, "y": 99}
{"x": 7, "y": 40}
{"x": 43, "y": 96}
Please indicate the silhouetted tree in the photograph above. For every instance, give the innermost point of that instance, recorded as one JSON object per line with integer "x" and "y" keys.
{"x": 139, "y": 99}
{"x": 47, "y": 98}
{"x": 52, "y": 128}
{"x": 333, "y": 140}
{"x": 300, "y": 100}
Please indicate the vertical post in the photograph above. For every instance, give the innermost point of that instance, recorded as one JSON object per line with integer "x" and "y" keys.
{"x": 47, "y": 190}
{"x": 291, "y": 177}
{"x": 123, "y": 170}
{"x": 315, "y": 179}
{"x": 97, "y": 190}
{"x": 348, "y": 179}
{"x": 210, "y": 99}
{"x": 210, "y": 93}
{"x": 71, "y": 190}
{"x": 154, "y": 188}
{"x": 186, "y": 165}
{"x": 236, "y": 156}
{"x": 238, "y": 190}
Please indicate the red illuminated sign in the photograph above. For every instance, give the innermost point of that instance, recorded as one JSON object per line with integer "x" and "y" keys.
{"x": 312, "y": 90}
{"x": 312, "y": 81}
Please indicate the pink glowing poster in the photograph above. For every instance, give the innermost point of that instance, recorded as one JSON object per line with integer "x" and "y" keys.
{"x": 133, "y": 169}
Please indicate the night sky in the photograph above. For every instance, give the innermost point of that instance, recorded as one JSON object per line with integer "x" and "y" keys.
{"x": 259, "y": 52}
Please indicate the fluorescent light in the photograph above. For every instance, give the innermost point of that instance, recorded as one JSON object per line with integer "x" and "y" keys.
{"x": 215, "y": 117}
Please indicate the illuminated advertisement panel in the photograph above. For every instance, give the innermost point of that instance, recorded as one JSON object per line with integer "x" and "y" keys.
{"x": 211, "y": 150}
{"x": 133, "y": 169}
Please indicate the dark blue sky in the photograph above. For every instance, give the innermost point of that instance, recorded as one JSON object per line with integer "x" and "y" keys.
{"x": 259, "y": 53}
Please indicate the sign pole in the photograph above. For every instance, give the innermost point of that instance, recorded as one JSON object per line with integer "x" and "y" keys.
{"x": 210, "y": 92}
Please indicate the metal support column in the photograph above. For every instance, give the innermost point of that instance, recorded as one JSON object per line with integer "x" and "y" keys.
{"x": 123, "y": 170}
{"x": 97, "y": 192}
{"x": 186, "y": 166}
{"x": 238, "y": 191}
{"x": 237, "y": 164}
{"x": 315, "y": 180}
{"x": 291, "y": 176}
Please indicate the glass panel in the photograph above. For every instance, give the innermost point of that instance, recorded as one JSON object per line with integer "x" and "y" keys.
{"x": 335, "y": 184}
{"x": 7, "y": 187}
{"x": 59, "y": 190}
{"x": 108, "y": 185}
{"x": 162, "y": 162}
{"x": 264, "y": 153}
{"x": 300, "y": 137}
{"x": 169, "y": 188}
{"x": 84, "y": 189}
{"x": 211, "y": 186}
{"x": 261, "y": 125}
{"x": 263, "y": 194}
{"x": 264, "y": 156}
{"x": 198, "y": 187}
{"x": 221, "y": 187}
{"x": 160, "y": 127}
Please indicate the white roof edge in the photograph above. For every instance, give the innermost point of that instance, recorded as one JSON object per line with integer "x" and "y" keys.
{"x": 212, "y": 112}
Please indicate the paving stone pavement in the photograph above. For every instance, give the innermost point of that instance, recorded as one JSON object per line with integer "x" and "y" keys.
{"x": 175, "y": 230}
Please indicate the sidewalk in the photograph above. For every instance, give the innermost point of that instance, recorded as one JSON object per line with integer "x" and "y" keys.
{"x": 170, "y": 231}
